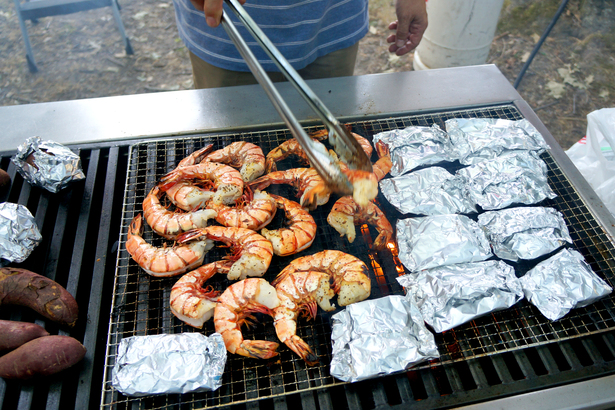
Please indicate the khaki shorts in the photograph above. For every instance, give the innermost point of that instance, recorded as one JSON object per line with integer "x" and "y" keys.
{"x": 339, "y": 63}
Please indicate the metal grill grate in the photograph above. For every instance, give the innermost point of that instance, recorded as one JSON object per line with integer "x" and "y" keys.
{"x": 141, "y": 303}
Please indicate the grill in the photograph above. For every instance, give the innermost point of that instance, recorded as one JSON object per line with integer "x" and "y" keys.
{"x": 506, "y": 353}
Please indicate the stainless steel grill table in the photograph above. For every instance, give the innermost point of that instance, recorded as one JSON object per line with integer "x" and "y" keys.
{"x": 126, "y": 142}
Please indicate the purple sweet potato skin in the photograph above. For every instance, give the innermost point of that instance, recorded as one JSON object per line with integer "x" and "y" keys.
{"x": 14, "y": 334}
{"x": 43, "y": 356}
{"x": 25, "y": 288}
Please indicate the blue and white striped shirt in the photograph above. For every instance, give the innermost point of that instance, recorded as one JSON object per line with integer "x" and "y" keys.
{"x": 302, "y": 30}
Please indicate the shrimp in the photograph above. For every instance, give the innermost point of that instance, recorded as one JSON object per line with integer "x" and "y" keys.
{"x": 244, "y": 155}
{"x": 166, "y": 261}
{"x": 234, "y": 309}
{"x": 251, "y": 252}
{"x": 226, "y": 180}
{"x": 300, "y": 292}
{"x": 311, "y": 187}
{"x": 300, "y": 232}
{"x": 346, "y": 213}
{"x": 169, "y": 224}
{"x": 364, "y": 143}
{"x": 253, "y": 211}
{"x": 190, "y": 301}
{"x": 364, "y": 184}
{"x": 382, "y": 167}
{"x": 349, "y": 274}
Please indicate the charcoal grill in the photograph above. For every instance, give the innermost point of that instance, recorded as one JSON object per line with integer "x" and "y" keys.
{"x": 511, "y": 354}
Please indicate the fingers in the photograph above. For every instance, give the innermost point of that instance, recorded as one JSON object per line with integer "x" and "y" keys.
{"x": 213, "y": 12}
{"x": 409, "y": 27}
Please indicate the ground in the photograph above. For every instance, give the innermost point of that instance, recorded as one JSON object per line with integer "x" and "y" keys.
{"x": 81, "y": 56}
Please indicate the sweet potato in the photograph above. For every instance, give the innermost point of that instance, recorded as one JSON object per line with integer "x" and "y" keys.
{"x": 14, "y": 334}
{"x": 41, "y": 357}
{"x": 25, "y": 288}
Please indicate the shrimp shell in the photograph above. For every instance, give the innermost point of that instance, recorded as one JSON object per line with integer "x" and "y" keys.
{"x": 251, "y": 252}
{"x": 382, "y": 167}
{"x": 350, "y": 275}
{"x": 241, "y": 154}
{"x": 310, "y": 185}
{"x": 300, "y": 232}
{"x": 186, "y": 195}
{"x": 235, "y": 308}
{"x": 254, "y": 214}
{"x": 169, "y": 224}
{"x": 166, "y": 261}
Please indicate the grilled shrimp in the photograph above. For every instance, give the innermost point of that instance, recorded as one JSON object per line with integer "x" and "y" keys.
{"x": 310, "y": 185}
{"x": 250, "y": 252}
{"x": 169, "y": 224}
{"x": 349, "y": 274}
{"x": 300, "y": 292}
{"x": 364, "y": 184}
{"x": 244, "y": 155}
{"x": 190, "y": 301}
{"x": 253, "y": 210}
{"x": 346, "y": 213}
{"x": 226, "y": 180}
{"x": 166, "y": 261}
{"x": 382, "y": 167}
{"x": 189, "y": 196}
{"x": 285, "y": 150}
{"x": 235, "y": 307}
{"x": 300, "y": 232}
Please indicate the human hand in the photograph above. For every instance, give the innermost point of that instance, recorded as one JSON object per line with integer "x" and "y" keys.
{"x": 410, "y": 25}
{"x": 212, "y": 10}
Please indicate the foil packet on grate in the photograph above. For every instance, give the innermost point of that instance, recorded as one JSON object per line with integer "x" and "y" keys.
{"x": 428, "y": 191}
{"x": 480, "y": 139}
{"x": 47, "y": 164}
{"x": 377, "y": 337}
{"x": 561, "y": 283}
{"x": 412, "y": 147}
{"x": 451, "y": 295}
{"x": 524, "y": 233}
{"x": 515, "y": 177}
{"x": 164, "y": 364}
{"x": 19, "y": 234}
{"x": 431, "y": 241}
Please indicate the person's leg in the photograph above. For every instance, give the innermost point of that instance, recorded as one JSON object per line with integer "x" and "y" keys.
{"x": 339, "y": 63}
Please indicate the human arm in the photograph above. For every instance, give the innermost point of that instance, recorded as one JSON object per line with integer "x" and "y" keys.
{"x": 410, "y": 25}
{"x": 212, "y": 10}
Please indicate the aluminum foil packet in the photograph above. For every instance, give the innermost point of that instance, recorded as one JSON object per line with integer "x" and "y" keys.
{"x": 47, "y": 164}
{"x": 19, "y": 234}
{"x": 480, "y": 139}
{"x": 431, "y": 241}
{"x": 561, "y": 283}
{"x": 164, "y": 364}
{"x": 377, "y": 337}
{"x": 515, "y": 177}
{"x": 525, "y": 233}
{"x": 449, "y": 296}
{"x": 428, "y": 191}
{"x": 412, "y": 147}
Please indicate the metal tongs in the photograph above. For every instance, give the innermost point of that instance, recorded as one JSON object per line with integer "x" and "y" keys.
{"x": 344, "y": 144}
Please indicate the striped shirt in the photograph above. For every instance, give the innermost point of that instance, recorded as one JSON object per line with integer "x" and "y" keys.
{"x": 302, "y": 30}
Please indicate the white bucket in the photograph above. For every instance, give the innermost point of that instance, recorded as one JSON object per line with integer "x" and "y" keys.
{"x": 459, "y": 33}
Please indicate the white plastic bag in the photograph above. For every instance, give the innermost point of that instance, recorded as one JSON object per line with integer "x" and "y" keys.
{"x": 594, "y": 156}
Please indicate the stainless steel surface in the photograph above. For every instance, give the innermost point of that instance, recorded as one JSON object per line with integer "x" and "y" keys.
{"x": 184, "y": 112}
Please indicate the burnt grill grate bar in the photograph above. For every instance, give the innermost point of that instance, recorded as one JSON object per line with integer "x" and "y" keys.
{"x": 140, "y": 303}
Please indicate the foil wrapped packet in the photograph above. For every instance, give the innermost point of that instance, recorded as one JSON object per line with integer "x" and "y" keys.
{"x": 524, "y": 233}
{"x": 431, "y": 241}
{"x": 47, "y": 164}
{"x": 412, "y": 147}
{"x": 451, "y": 295}
{"x": 377, "y": 337}
{"x": 164, "y": 364}
{"x": 480, "y": 139}
{"x": 515, "y": 177}
{"x": 561, "y": 283}
{"x": 19, "y": 234}
{"x": 428, "y": 191}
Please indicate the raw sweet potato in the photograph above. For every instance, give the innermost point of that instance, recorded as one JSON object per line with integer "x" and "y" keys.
{"x": 25, "y": 288}
{"x": 41, "y": 357}
{"x": 14, "y": 334}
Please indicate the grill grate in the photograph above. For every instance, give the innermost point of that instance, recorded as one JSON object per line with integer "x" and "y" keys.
{"x": 140, "y": 302}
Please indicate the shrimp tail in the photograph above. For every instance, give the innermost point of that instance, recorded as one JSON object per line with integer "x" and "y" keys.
{"x": 258, "y": 349}
{"x": 299, "y": 346}
{"x": 169, "y": 180}
{"x": 136, "y": 226}
{"x": 260, "y": 183}
{"x": 189, "y": 235}
{"x": 270, "y": 166}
